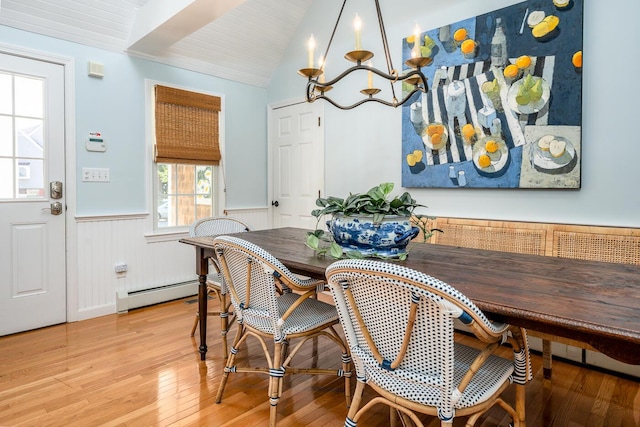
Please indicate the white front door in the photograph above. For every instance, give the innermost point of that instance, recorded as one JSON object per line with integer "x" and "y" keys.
{"x": 297, "y": 152}
{"x": 32, "y": 233}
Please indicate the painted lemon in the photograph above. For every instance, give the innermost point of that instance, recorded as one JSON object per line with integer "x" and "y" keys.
{"x": 418, "y": 155}
{"x": 490, "y": 86}
{"x": 557, "y": 147}
{"x": 414, "y": 158}
{"x": 545, "y": 142}
{"x": 535, "y": 18}
{"x": 547, "y": 25}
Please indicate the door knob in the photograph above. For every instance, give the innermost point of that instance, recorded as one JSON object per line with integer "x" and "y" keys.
{"x": 276, "y": 204}
{"x": 55, "y": 209}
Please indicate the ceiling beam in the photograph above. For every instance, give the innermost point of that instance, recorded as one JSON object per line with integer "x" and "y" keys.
{"x": 160, "y": 23}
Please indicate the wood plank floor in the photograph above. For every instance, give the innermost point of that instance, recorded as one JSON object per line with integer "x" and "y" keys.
{"x": 143, "y": 369}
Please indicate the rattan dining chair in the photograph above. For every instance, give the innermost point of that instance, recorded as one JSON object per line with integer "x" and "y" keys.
{"x": 260, "y": 288}
{"x": 215, "y": 226}
{"x": 399, "y": 324}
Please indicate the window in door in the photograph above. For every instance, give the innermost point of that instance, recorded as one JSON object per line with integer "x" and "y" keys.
{"x": 21, "y": 137}
{"x": 187, "y": 154}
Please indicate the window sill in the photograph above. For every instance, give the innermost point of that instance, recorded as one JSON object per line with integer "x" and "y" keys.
{"x": 166, "y": 236}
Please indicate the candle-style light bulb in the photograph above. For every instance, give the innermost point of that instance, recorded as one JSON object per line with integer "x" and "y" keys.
{"x": 416, "y": 53}
{"x": 370, "y": 75}
{"x": 357, "y": 25}
{"x": 311, "y": 45}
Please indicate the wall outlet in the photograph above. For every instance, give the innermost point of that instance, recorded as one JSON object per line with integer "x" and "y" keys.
{"x": 121, "y": 268}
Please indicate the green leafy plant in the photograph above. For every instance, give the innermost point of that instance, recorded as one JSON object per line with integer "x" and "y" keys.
{"x": 376, "y": 202}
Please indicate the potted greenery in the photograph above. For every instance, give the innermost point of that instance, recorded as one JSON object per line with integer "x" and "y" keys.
{"x": 370, "y": 224}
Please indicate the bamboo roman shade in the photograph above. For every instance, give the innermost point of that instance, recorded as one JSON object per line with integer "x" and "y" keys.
{"x": 186, "y": 127}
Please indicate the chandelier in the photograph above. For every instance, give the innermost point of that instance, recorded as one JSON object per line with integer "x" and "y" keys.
{"x": 318, "y": 86}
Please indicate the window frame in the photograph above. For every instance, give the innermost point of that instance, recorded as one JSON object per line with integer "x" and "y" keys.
{"x": 218, "y": 190}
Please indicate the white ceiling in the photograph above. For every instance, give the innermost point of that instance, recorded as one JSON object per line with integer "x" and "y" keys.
{"x": 240, "y": 40}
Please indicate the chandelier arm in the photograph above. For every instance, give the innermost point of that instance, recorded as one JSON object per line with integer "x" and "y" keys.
{"x": 420, "y": 85}
{"x": 393, "y": 77}
{"x": 333, "y": 33}
{"x": 311, "y": 96}
{"x": 368, "y": 99}
{"x": 385, "y": 46}
{"x": 383, "y": 34}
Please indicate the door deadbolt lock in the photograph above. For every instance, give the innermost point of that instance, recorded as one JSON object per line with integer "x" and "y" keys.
{"x": 55, "y": 190}
{"x": 55, "y": 209}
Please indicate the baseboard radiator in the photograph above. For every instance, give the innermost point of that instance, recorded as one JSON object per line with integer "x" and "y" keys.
{"x": 126, "y": 301}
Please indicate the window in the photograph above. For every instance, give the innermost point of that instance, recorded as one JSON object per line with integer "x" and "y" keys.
{"x": 22, "y": 137}
{"x": 187, "y": 153}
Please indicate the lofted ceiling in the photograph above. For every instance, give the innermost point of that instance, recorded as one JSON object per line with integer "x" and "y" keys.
{"x": 240, "y": 40}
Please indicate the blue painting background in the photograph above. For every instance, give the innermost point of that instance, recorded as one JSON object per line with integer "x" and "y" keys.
{"x": 565, "y": 103}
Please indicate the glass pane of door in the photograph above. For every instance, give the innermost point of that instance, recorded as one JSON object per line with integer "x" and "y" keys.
{"x": 22, "y": 144}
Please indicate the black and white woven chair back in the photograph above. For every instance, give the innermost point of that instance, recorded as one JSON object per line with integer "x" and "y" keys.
{"x": 215, "y": 226}
{"x": 218, "y": 225}
{"x": 399, "y": 324}
{"x": 254, "y": 277}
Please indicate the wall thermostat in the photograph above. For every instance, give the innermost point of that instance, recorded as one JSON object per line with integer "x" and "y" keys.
{"x": 95, "y": 142}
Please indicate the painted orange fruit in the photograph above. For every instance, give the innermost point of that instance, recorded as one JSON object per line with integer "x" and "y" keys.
{"x": 511, "y": 71}
{"x": 491, "y": 146}
{"x": 468, "y": 132}
{"x": 468, "y": 46}
{"x": 459, "y": 35}
{"x": 523, "y": 62}
{"x": 484, "y": 161}
{"x": 577, "y": 59}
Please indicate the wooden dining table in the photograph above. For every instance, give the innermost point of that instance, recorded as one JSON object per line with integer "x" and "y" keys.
{"x": 593, "y": 302}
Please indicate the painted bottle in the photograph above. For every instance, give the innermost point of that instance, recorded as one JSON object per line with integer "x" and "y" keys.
{"x": 499, "y": 46}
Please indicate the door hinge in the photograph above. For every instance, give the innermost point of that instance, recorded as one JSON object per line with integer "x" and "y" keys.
{"x": 318, "y": 121}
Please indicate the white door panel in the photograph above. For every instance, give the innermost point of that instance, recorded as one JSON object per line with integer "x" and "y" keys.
{"x": 32, "y": 239}
{"x": 297, "y": 140}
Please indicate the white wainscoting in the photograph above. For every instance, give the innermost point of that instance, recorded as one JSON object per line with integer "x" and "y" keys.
{"x": 258, "y": 218}
{"x": 152, "y": 262}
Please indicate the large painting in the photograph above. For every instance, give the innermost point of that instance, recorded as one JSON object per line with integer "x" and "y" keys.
{"x": 504, "y": 105}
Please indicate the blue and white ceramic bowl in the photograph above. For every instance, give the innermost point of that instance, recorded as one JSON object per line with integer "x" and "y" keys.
{"x": 386, "y": 239}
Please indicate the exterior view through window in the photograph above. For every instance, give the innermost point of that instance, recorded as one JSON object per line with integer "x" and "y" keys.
{"x": 184, "y": 194}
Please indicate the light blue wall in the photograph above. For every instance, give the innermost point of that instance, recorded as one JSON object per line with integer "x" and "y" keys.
{"x": 115, "y": 106}
{"x": 365, "y": 144}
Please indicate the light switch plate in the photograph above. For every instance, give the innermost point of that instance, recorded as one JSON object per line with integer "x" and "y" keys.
{"x": 96, "y": 175}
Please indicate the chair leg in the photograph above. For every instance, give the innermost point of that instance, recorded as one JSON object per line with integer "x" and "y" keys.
{"x": 355, "y": 402}
{"x": 195, "y": 324}
{"x": 229, "y": 365}
{"x": 547, "y": 359}
{"x": 224, "y": 322}
{"x": 275, "y": 381}
{"x": 520, "y": 405}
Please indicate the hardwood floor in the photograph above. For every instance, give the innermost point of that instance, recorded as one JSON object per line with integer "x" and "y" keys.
{"x": 143, "y": 369}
